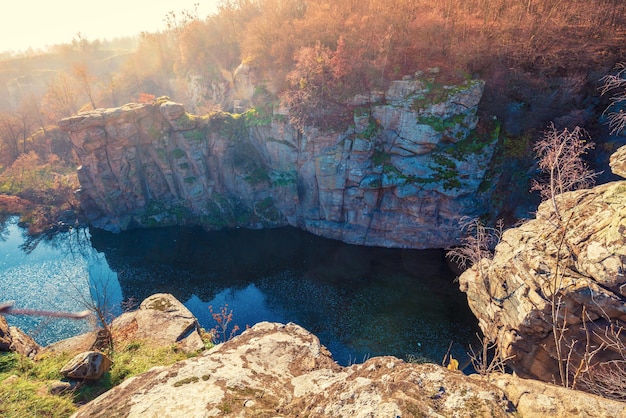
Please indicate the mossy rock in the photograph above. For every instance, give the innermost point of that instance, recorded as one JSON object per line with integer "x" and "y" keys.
{"x": 160, "y": 304}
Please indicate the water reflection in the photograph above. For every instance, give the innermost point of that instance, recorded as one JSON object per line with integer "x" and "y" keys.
{"x": 360, "y": 301}
{"x": 58, "y": 272}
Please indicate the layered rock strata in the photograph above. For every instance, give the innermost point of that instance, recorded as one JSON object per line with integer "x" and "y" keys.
{"x": 406, "y": 172}
{"x": 563, "y": 278}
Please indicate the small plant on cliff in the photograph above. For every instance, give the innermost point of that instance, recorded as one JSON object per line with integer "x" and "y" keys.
{"x": 476, "y": 251}
{"x": 559, "y": 155}
{"x": 616, "y": 85}
{"x": 563, "y": 169}
{"x": 223, "y": 318}
{"x": 95, "y": 295}
{"x": 476, "y": 244}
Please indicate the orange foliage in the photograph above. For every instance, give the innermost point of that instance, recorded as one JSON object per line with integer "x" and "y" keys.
{"x": 145, "y": 98}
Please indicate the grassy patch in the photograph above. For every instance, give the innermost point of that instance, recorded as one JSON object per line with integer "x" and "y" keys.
{"x": 259, "y": 116}
{"x": 257, "y": 175}
{"x": 229, "y": 126}
{"x": 441, "y": 125}
{"x": 26, "y": 394}
{"x": 26, "y": 398}
{"x": 436, "y": 92}
{"x": 223, "y": 211}
{"x": 283, "y": 178}
{"x": 371, "y": 131}
{"x": 157, "y": 213}
{"x": 380, "y": 158}
{"x": 517, "y": 146}
{"x": 189, "y": 122}
{"x": 138, "y": 357}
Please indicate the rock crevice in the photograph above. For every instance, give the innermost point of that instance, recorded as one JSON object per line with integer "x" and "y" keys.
{"x": 584, "y": 262}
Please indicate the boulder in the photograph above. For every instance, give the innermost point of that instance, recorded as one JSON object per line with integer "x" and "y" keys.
{"x": 513, "y": 300}
{"x": 160, "y": 320}
{"x": 74, "y": 345}
{"x": 283, "y": 370}
{"x": 532, "y": 398}
{"x": 22, "y": 343}
{"x": 62, "y": 387}
{"x": 90, "y": 365}
{"x": 617, "y": 162}
{"x": 14, "y": 339}
{"x": 5, "y": 336}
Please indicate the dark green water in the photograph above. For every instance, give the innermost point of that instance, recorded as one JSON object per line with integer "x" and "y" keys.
{"x": 360, "y": 301}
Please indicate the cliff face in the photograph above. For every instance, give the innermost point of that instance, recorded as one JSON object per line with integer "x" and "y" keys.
{"x": 513, "y": 301}
{"x": 402, "y": 176}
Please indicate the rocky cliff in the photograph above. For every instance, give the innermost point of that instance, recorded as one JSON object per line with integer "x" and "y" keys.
{"x": 283, "y": 371}
{"x": 581, "y": 264}
{"x": 402, "y": 176}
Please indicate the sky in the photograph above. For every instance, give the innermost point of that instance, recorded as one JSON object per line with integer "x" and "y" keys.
{"x": 36, "y": 24}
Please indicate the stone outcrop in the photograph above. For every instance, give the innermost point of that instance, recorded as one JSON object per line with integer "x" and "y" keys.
{"x": 74, "y": 345}
{"x": 283, "y": 371}
{"x": 15, "y": 340}
{"x": 532, "y": 398}
{"x": 5, "y": 335}
{"x": 23, "y": 343}
{"x": 161, "y": 320}
{"x": 402, "y": 176}
{"x": 514, "y": 300}
{"x": 90, "y": 365}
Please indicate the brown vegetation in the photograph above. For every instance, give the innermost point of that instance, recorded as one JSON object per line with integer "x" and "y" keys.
{"x": 315, "y": 55}
{"x": 38, "y": 190}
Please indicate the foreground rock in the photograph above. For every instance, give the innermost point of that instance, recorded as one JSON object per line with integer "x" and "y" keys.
{"x": 15, "y": 340}
{"x": 513, "y": 302}
{"x": 90, "y": 365}
{"x": 402, "y": 176}
{"x": 283, "y": 371}
{"x": 5, "y": 335}
{"x": 161, "y": 320}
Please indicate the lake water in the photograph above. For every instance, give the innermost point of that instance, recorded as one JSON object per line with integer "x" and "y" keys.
{"x": 360, "y": 301}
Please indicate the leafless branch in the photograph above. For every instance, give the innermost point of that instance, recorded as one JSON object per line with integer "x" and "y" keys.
{"x": 615, "y": 84}
{"x": 560, "y": 160}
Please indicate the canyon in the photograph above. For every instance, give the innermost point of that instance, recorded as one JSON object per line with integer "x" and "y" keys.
{"x": 403, "y": 175}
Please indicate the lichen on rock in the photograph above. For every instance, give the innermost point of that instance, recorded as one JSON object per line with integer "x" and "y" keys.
{"x": 282, "y": 370}
{"x": 153, "y": 164}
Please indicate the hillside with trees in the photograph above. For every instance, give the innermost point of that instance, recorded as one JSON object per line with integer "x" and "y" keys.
{"x": 541, "y": 59}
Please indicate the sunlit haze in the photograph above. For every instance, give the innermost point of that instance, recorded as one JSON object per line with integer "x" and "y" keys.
{"x": 39, "y": 23}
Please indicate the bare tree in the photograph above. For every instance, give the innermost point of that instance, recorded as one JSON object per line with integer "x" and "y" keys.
{"x": 9, "y": 138}
{"x": 615, "y": 84}
{"x": 61, "y": 98}
{"x": 86, "y": 80}
{"x": 95, "y": 292}
{"x": 476, "y": 244}
{"x": 476, "y": 248}
{"x": 559, "y": 155}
